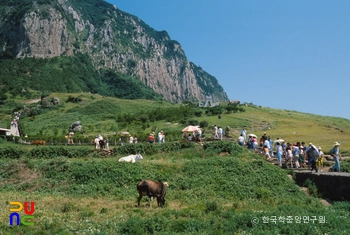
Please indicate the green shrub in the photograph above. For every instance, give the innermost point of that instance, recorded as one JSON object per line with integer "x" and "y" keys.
{"x": 312, "y": 188}
{"x": 223, "y": 146}
{"x": 10, "y": 152}
{"x": 69, "y": 207}
{"x": 203, "y": 124}
{"x": 211, "y": 206}
{"x": 53, "y": 152}
{"x": 150, "y": 149}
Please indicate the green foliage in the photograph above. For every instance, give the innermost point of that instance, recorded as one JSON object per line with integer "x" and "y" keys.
{"x": 345, "y": 166}
{"x": 11, "y": 106}
{"x": 17, "y": 9}
{"x": 223, "y": 146}
{"x": 3, "y": 96}
{"x": 211, "y": 206}
{"x": 74, "y": 99}
{"x": 93, "y": 10}
{"x": 53, "y": 73}
{"x": 125, "y": 87}
{"x": 233, "y": 108}
{"x": 69, "y": 207}
{"x": 54, "y": 152}
{"x": 192, "y": 122}
{"x": 150, "y": 149}
{"x": 207, "y": 82}
{"x": 208, "y": 194}
{"x": 10, "y": 152}
{"x": 217, "y": 110}
{"x": 312, "y": 188}
{"x": 203, "y": 124}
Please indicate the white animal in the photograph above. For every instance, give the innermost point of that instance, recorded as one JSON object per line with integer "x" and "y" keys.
{"x": 131, "y": 158}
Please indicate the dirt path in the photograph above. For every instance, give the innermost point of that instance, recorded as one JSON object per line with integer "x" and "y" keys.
{"x": 32, "y": 101}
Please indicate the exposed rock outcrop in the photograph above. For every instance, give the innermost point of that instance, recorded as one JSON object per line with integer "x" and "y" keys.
{"x": 114, "y": 40}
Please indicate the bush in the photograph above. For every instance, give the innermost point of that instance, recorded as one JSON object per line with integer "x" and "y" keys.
{"x": 223, "y": 146}
{"x": 193, "y": 122}
{"x": 150, "y": 149}
{"x": 74, "y": 99}
{"x": 312, "y": 188}
{"x": 10, "y": 152}
{"x": 211, "y": 206}
{"x": 203, "y": 124}
{"x": 52, "y": 152}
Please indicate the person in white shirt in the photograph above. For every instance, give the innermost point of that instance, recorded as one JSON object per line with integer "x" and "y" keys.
{"x": 241, "y": 140}
{"x": 279, "y": 152}
{"x": 244, "y": 134}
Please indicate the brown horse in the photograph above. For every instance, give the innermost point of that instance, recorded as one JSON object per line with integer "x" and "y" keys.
{"x": 39, "y": 142}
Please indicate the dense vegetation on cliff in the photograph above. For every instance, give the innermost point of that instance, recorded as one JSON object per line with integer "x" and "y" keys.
{"x": 68, "y": 74}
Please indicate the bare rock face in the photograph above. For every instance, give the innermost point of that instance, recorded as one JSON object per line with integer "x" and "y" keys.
{"x": 122, "y": 42}
{"x": 45, "y": 37}
{"x": 76, "y": 127}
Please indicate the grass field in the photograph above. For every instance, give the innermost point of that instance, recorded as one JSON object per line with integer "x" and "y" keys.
{"x": 109, "y": 116}
{"x": 218, "y": 188}
{"x": 209, "y": 193}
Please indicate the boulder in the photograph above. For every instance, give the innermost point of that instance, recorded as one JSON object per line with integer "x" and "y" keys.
{"x": 75, "y": 127}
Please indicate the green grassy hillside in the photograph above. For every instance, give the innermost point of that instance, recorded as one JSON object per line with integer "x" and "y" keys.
{"x": 217, "y": 188}
{"x": 109, "y": 116}
{"x": 209, "y": 193}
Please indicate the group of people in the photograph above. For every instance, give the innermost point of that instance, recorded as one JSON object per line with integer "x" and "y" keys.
{"x": 193, "y": 136}
{"x": 127, "y": 138}
{"x": 295, "y": 155}
{"x": 161, "y": 137}
{"x": 132, "y": 139}
{"x": 218, "y": 132}
{"x": 100, "y": 143}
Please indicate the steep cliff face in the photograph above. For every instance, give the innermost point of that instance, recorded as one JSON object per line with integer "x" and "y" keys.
{"x": 112, "y": 38}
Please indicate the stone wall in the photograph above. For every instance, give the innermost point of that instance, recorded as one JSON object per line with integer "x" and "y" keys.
{"x": 334, "y": 185}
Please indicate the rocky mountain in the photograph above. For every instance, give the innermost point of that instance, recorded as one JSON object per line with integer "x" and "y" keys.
{"x": 117, "y": 44}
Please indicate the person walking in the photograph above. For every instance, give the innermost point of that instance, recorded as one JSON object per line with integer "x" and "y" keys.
{"x": 313, "y": 154}
{"x": 221, "y": 132}
{"x": 288, "y": 156}
{"x": 151, "y": 138}
{"x": 279, "y": 152}
{"x": 296, "y": 153}
{"x": 262, "y": 139}
{"x": 107, "y": 143}
{"x": 244, "y": 134}
{"x": 320, "y": 159}
{"x": 216, "y": 132}
{"x": 335, "y": 153}
{"x": 163, "y": 137}
{"x": 271, "y": 146}
{"x": 266, "y": 152}
{"x": 160, "y": 137}
{"x": 301, "y": 157}
{"x": 241, "y": 140}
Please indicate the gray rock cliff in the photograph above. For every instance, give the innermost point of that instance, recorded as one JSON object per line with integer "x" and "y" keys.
{"x": 113, "y": 39}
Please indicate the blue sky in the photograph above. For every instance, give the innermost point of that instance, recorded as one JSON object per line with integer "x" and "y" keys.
{"x": 282, "y": 54}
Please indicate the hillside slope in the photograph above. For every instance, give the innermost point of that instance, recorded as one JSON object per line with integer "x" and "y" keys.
{"x": 109, "y": 116}
{"x": 239, "y": 193}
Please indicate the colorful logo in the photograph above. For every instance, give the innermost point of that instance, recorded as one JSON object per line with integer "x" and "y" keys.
{"x": 22, "y": 220}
